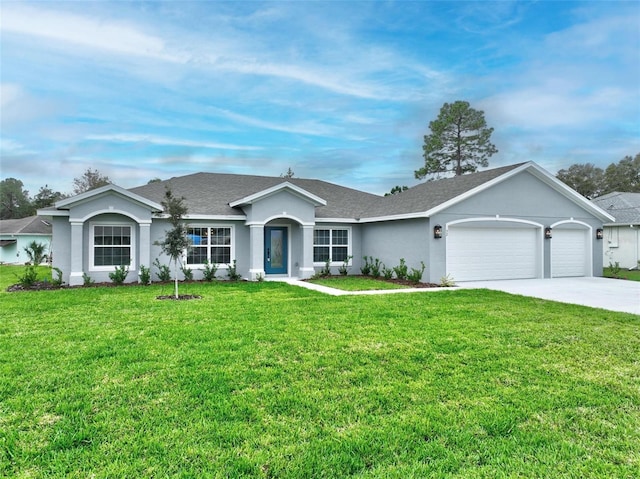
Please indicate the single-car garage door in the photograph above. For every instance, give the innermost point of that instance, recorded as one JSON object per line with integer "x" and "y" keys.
{"x": 486, "y": 253}
{"x": 569, "y": 252}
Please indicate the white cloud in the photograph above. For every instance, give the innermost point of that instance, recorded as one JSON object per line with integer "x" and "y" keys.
{"x": 543, "y": 107}
{"x": 19, "y": 106}
{"x": 344, "y": 68}
{"x": 304, "y": 128}
{"x": 164, "y": 141}
{"x": 84, "y": 31}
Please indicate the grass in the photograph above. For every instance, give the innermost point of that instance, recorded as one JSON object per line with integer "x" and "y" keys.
{"x": 357, "y": 283}
{"x": 266, "y": 380}
{"x": 633, "y": 275}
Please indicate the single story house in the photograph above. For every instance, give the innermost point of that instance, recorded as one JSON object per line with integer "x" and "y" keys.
{"x": 621, "y": 239}
{"x": 515, "y": 221}
{"x": 17, "y": 234}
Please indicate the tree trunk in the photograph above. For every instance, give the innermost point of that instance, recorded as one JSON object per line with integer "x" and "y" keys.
{"x": 175, "y": 276}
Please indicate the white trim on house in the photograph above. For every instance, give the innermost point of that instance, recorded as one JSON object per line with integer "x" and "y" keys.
{"x": 349, "y": 245}
{"x": 232, "y": 249}
{"x": 248, "y": 200}
{"x": 188, "y": 217}
{"x": 114, "y": 211}
{"x": 403, "y": 216}
{"x": 103, "y": 191}
{"x": 277, "y": 217}
{"x": 507, "y": 219}
{"x": 132, "y": 247}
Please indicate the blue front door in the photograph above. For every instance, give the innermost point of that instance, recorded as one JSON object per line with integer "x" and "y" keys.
{"x": 275, "y": 250}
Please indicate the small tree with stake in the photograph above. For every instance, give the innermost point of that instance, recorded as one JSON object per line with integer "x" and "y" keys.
{"x": 176, "y": 239}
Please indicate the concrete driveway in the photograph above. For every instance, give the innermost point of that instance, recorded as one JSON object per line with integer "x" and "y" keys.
{"x": 606, "y": 293}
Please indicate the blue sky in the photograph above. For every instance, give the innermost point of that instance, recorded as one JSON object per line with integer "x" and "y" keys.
{"x": 339, "y": 91}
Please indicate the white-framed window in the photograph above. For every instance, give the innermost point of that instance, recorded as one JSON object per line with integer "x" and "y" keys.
{"x": 111, "y": 245}
{"x": 331, "y": 243}
{"x": 212, "y": 244}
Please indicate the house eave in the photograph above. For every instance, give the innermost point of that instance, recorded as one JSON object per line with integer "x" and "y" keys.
{"x": 202, "y": 217}
{"x": 629, "y": 224}
{"x": 338, "y": 220}
{"x": 48, "y": 212}
{"x": 402, "y": 216}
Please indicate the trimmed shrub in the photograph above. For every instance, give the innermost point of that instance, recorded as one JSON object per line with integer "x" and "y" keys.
{"x": 119, "y": 274}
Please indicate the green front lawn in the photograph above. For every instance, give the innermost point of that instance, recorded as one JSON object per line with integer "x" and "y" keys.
{"x": 267, "y": 380}
{"x": 633, "y": 275}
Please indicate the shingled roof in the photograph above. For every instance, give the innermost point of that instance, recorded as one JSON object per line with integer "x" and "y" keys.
{"x": 211, "y": 193}
{"x": 426, "y": 196}
{"x": 625, "y": 207}
{"x": 31, "y": 225}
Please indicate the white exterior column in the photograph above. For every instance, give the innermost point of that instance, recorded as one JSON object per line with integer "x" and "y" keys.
{"x": 256, "y": 252}
{"x": 77, "y": 249}
{"x": 144, "y": 243}
{"x": 306, "y": 267}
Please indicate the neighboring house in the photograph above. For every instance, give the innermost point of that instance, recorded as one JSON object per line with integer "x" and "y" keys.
{"x": 481, "y": 226}
{"x": 621, "y": 239}
{"x": 17, "y": 234}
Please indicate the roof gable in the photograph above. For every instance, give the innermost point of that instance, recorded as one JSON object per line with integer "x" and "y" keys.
{"x": 90, "y": 195}
{"x": 432, "y": 197}
{"x": 286, "y": 186}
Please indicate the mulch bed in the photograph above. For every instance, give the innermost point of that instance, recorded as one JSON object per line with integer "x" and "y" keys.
{"x": 404, "y": 282}
{"x": 181, "y": 297}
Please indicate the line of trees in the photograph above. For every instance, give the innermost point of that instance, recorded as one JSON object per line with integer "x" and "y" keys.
{"x": 591, "y": 181}
{"x": 15, "y": 201}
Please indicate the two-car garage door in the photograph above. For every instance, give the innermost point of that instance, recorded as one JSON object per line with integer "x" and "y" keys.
{"x": 485, "y": 253}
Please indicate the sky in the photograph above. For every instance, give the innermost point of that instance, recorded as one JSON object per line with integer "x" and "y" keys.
{"x": 338, "y": 91}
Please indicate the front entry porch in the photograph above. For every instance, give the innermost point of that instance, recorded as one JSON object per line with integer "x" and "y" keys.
{"x": 282, "y": 248}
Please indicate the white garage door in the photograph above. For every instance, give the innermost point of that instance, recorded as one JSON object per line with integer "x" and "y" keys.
{"x": 475, "y": 254}
{"x": 569, "y": 253}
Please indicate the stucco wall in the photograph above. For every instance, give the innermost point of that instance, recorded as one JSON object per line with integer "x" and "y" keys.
{"x": 622, "y": 244}
{"x": 61, "y": 245}
{"x": 389, "y": 241}
{"x": 282, "y": 204}
{"x": 240, "y": 245}
{"x": 522, "y": 197}
{"x": 14, "y": 253}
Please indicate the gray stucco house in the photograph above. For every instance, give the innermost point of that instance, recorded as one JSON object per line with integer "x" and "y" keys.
{"x": 516, "y": 221}
{"x": 17, "y": 234}
{"x": 621, "y": 239}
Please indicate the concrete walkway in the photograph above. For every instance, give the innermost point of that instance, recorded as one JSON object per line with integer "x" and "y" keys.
{"x": 340, "y": 292}
{"x": 612, "y": 294}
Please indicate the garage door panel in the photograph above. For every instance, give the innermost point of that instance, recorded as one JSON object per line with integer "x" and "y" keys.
{"x": 569, "y": 253}
{"x": 475, "y": 254}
